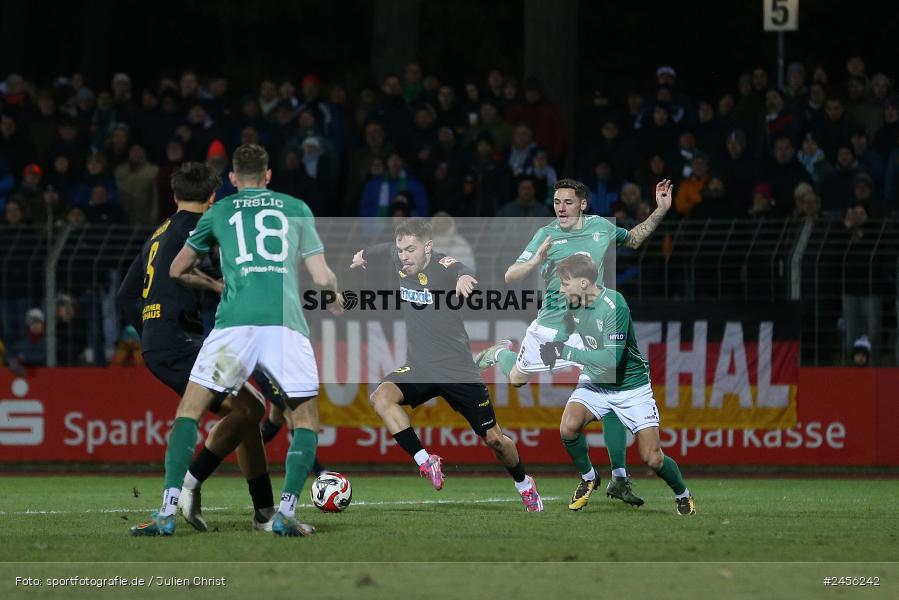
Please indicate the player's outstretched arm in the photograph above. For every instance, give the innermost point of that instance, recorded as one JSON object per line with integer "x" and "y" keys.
{"x": 324, "y": 277}
{"x": 638, "y": 234}
{"x": 520, "y": 270}
{"x": 184, "y": 269}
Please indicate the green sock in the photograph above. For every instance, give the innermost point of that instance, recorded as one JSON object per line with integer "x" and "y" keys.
{"x": 670, "y": 472}
{"x": 579, "y": 453}
{"x": 615, "y": 435}
{"x": 300, "y": 458}
{"x": 506, "y": 360}
{"x": 180, "y": 451}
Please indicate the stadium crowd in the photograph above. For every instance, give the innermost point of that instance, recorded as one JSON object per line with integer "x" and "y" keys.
{"x": 413, "y": 145}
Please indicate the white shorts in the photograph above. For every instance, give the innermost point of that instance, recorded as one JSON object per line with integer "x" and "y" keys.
{"x": 529, "y": 360}
{"x": 635, "y": 408}
{"x": 230, "y": 355}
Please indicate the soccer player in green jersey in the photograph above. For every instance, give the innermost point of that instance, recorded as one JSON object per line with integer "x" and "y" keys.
{"x": 572, "y": 232}
{"x": 618, "y": 375}
{"x": 259, "y": 324}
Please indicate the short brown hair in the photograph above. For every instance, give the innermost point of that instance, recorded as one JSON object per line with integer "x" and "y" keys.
{"x": 420, "y": 228}
{"x": 194, "y": 182}
{"x": 577, "y": 266}
{"x": 580, "y": 190}
{"x": 250, "y": 160}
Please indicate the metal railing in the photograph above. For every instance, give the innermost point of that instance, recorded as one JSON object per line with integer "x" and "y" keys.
{"x": 817, "y": 263}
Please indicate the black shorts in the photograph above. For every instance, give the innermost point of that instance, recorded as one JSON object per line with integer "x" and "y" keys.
{"x": 471, "y": 400}
{"x": 173, "y": 369}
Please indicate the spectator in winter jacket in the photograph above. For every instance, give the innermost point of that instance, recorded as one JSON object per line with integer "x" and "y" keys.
{"x": 136, "y": 181}
{"x": 689, "y": 192}
{"x": 782, "y": 121}
{"x": 543, "y": 118}
{"x": 380, "y": 191}
{"x": 526, "y": 203}
{"x": 837, "y": 187}
{"x": 835, "y": 128}
{"x": 812, "y": 158}
{"x": 806, "y": 203}
{"x": 783, "y": 174}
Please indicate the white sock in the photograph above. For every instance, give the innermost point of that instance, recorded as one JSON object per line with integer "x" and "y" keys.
{"x": 170, "y": 501}
{"x": 523, "y": 485}
{"x": 421, "y": 457}
{"x": 589, "y": 475}
{"x": 288, "y": 504}
{"x": 684, "y": 495}
{"x": 190, "y": 482}
{"x": 622, "y": 473}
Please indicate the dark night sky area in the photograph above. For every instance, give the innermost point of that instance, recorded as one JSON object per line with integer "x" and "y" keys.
{"x": 620, "y": 43}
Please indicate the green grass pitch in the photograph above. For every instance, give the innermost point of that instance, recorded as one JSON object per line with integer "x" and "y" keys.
{"x": 745, "y": 530}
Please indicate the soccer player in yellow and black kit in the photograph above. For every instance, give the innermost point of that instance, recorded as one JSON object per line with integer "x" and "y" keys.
{"x": 439, "y": 359}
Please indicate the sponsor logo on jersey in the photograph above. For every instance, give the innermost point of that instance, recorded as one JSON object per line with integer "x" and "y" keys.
{"x": 447, "y": 262}
{"x": 591, "y": 342}
{"x": 416, "y": 296}
{"x": 422, "y": 279}
{"x": 617, "y": 336}
{"x": 599, "y": 324}
{"x": 526, "y": 255}
{"x": 560, "y": 242}
{"x": 151, "y": 311}
{"x": 596, "y": 237}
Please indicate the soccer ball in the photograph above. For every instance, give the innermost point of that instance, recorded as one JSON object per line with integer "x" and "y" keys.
{"x": 331, "y": 492}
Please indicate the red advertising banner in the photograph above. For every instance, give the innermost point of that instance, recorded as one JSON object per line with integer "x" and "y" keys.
{"x": 845, "y": 417}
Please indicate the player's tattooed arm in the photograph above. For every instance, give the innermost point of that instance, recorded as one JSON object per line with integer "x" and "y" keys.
{"x": 641, "y": 232}
{"x": 184, "y": 269}
{"x": 520, "y": 270}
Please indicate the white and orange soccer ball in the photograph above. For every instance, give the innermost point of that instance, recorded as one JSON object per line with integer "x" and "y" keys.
{"x": 331, "y": 492}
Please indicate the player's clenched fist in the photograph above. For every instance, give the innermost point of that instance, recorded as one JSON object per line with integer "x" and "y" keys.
{"x": 550, "y": 352}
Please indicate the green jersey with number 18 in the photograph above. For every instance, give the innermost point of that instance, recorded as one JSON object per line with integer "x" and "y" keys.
{"x": 261, "y": 235}
{"x": 592, "y": 239}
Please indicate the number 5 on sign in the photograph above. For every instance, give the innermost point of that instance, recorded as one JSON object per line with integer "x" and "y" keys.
{"x": 781, "y": 15}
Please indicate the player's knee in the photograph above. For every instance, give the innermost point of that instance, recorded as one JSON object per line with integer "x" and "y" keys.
{"x": 251, "y": 412}
{"x": 569, "y": 428}
{"x": 653, "y": 457}
{"x": 380, "y": 400}
{"x": 517, "y": 379}
{"x": 494, "y": 440}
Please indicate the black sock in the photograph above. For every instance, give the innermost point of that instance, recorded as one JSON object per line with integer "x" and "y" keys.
{"x": 517, "y": 472}
{"x": 269, "y": 430}
{"x": 408, "y": 441}
{"x": 261, "y": 492}
{"x": 317, "y": 467}
{"x": 204, "y": 464}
